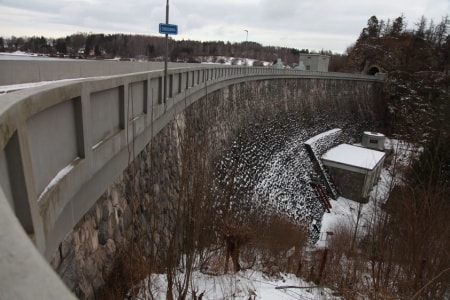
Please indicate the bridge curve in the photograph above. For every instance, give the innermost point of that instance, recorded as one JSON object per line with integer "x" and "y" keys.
{"x": 62, "y": 144}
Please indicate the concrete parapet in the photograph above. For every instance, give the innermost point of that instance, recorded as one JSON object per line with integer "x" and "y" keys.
{"x": 26, "y": 71}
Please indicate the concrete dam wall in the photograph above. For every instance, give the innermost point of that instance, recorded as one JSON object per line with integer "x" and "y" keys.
{"x": 83, "y": 162}
{"x": 153, "y": 178}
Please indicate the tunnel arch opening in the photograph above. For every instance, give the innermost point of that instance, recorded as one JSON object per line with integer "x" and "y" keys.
{"x": 373, "y": 70}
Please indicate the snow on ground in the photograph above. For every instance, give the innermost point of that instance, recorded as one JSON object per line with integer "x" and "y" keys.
{"x": 60, "y": 176}
{"x": 237, "y": 61}
{"x": 250, "y": 284}
{"x": 343, "y": 213}
{"x": 243, "y": 285}
{"x": 275, "y": 170}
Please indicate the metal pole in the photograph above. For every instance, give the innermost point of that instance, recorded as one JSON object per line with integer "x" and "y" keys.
{"x": 246, "y": 47}
{"x": 167, "y": 55}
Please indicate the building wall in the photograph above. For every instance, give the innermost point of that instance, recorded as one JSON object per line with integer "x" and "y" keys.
{"x": 315, "y": 62}
{"x": 349, "y": 184}
{"x": 353, "y": 185}
{"x": 372, "y": 178}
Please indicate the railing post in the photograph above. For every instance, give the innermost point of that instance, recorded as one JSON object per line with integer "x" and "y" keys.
{"x": 38, "y": 234}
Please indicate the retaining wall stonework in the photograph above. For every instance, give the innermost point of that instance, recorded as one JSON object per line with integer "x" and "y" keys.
{"x": 138, "y": 209}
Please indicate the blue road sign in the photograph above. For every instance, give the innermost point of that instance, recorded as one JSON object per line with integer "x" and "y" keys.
{"x": 168, "y": 28}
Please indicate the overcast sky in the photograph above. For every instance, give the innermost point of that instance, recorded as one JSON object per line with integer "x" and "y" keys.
{"x": 310, "y": 24}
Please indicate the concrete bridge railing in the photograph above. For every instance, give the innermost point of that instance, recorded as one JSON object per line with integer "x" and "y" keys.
{"x": 62, "y": 144}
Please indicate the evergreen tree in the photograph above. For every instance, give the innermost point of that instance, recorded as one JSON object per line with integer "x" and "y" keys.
{"x": 398, "y": 26}
{"x": 61, "y": 46}
{"x": 372, "y": 30}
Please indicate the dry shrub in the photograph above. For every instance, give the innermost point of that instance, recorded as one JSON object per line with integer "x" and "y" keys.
{"x": 214, "y": 263}
{"x": 129, "y": 269}
{"x": 401, "y": 254}
{"x": 276, "y": 242}
{"x": 341, "y": 240}
{"x": 272, "y": 243}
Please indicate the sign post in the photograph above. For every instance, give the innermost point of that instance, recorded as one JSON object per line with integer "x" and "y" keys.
{"x": 167, "y": 29}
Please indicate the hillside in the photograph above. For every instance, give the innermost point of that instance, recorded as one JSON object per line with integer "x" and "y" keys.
{"x": 392, "y": 47}
{"x": 417, "y": 63}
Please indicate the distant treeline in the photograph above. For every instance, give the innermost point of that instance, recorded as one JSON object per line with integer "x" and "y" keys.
{"x": 105, "y": 46}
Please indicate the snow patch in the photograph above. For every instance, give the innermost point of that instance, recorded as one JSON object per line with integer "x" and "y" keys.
{"x": 247, "y": 284}
{"x": 61, "y": 174}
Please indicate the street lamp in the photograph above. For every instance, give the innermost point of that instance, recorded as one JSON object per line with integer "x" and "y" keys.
{"x": 246, "y": 46}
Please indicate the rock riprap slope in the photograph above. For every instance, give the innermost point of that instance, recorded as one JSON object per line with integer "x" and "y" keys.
{"x": 268, "y": 169}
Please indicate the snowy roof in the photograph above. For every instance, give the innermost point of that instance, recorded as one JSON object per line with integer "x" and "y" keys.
{"x": 371, "y": 133}
{"x": 353, "y": 156}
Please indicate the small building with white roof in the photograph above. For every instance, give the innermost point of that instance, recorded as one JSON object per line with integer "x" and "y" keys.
{"x": 354, "y": 169}
{"x": 373, "y": 140}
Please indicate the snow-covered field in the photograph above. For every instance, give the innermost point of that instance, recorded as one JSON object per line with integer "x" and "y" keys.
{"x": 243, "y": 285}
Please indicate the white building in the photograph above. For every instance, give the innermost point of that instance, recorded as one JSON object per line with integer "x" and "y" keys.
{"x": 313, "y": 62}
{"x": 373, "y": 140}
{"x": 278, "y": 64}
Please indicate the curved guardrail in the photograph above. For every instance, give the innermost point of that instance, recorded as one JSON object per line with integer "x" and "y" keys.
{"x": 62, "y": 144}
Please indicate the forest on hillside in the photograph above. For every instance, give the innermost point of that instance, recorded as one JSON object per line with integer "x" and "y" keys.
{"x": 425, "y": 47}
{"x": 405, "y": 251}
{"x": 143, "y": 47}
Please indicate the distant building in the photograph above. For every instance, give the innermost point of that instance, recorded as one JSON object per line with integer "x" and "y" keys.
{"x": 278, "y": 64}
{"x": 354, "y": 170}
{"x": 301, "y": 66}
{"x": 313, "y": 62}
